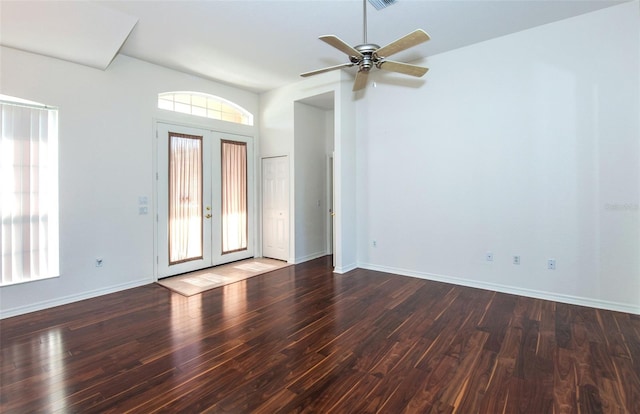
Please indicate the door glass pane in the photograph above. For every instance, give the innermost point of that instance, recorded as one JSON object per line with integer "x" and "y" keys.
{"x": 185, "y": 198}
{"x": 234, "y": 196}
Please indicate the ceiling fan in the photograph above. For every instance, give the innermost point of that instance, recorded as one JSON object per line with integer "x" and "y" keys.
{"x": 369, "y": 55}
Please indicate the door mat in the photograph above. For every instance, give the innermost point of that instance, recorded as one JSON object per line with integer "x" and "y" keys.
{"x": 192, "y": 283}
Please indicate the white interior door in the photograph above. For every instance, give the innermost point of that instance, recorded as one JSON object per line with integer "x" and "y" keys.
{"x": 204, "y": 210}
{"x": 275, "y": 207}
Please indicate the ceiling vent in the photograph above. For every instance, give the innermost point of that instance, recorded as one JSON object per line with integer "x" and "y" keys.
{"x": 381, "y": 4}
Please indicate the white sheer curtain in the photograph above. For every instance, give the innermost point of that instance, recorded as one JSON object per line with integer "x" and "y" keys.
{"x": 28, "y": 193}
{"x": 234, "y": 196}
{"x": 185, "y": 198}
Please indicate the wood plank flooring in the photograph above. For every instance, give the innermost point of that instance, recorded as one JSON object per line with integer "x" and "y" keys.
{"x": 302, "y": 339}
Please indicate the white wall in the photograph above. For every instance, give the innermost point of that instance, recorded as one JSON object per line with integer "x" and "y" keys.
{"x": 524, "y": 145}
{"x": 106, "y": 153}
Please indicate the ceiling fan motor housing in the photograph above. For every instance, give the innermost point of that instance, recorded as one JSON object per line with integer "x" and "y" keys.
{"x": 368, "y": 59}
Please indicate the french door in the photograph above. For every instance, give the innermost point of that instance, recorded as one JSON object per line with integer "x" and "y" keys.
{"x": 205, "y": 206}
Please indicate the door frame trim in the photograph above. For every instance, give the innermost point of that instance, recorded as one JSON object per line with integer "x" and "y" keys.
{"x": 330, "y": 204}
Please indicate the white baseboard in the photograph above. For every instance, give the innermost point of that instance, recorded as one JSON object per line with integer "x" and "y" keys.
{"x": 339, "y": 270}
{"x": 344, "y": 269}
{"x": 308, "y": 257}
{"x": 573, "y": 300}
{"x": 21, "y": 310}
{"x": 537, "y": 294}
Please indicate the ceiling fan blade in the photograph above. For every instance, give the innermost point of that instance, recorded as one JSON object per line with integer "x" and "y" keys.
{"x": 341, "y": 45}
{"x": 405, "y": 68}
{"x": 414, "y": 38}
{"x": 361, "y": 80}
{"x": 330, "y": 68}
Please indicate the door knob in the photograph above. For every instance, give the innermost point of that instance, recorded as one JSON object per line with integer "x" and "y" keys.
{"x": 208, "y": 216}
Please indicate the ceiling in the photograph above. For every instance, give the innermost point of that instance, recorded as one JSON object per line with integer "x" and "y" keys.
{"x": 263, "y": 44}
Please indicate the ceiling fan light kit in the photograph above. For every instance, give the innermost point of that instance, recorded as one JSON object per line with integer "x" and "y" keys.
{"x": 369, "y": 55}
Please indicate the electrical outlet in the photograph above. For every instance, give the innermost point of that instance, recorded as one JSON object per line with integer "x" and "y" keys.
{"x": 489, "y": 257}
{"x": 99, "y": 262}
{"x": 375, "y": 243}
{"x": 551, "y": 264}
{"x": 516, "y": 260}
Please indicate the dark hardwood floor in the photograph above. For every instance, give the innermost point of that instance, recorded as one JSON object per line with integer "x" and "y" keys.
{"x": 301, "y": 339}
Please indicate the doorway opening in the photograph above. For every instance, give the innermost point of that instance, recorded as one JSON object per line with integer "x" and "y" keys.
{"x": 314, "y": 136}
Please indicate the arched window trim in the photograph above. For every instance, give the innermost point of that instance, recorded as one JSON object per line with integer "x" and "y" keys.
{"x": 165, "y": 98}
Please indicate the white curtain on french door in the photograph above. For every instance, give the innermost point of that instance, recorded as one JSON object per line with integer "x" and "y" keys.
{"x": 234, "y": 196}
{"x": 185, "y": 198}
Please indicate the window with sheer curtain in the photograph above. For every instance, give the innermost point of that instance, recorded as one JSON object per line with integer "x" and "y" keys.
{"x": 28, "y": 191}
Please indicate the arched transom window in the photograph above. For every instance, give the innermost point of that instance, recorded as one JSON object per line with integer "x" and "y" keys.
{"x": 202, "y": 104}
